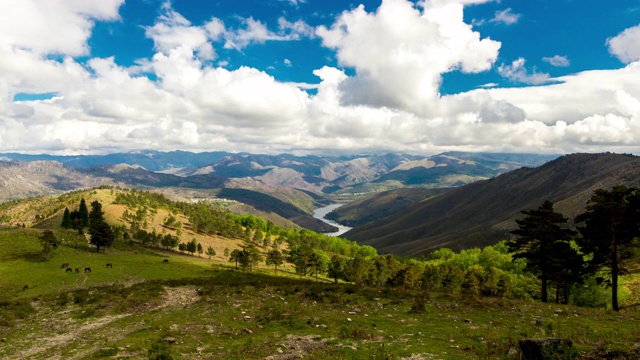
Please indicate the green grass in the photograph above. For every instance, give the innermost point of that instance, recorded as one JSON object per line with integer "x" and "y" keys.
{"x": 217, "y": 312}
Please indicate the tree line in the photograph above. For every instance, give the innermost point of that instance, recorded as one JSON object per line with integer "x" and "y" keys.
{"x": 550, "y": 257}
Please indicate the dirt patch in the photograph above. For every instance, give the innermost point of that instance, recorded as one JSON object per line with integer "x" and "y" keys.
{"x": 60, "y": 329}
{"x": 297, "y": 347}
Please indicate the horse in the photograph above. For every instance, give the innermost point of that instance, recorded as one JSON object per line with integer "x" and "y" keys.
{"x": 77, "y": 270}
{"x": 69, "y": 269}
{"x": 109, "y": 265}
{"x": 87, "y": 269}
{"x": 165, "y": 261}
{"x": 64, "y": 265}
{"x": 26, "y": 287}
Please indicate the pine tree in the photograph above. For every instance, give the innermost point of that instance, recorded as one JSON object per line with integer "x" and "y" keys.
{"x": 100, "y": 231}
{"x": 83, "y": 214}
{"x": 611, "y": 222}
{"x": 66, "y": 219}
{"x": 275, "y": 258}
{"x": 537, "y": 234}
{"x": 211, "y": 252}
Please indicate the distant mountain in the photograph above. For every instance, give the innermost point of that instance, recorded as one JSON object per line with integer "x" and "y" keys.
{"x": 320, "y": 174}
{"x": 483, "y": 212}
{"x": 278, "y": 181}
{"x": 26, "y": 179}
{"x": 380, "y": 205}
{"x": 148, "y": 159}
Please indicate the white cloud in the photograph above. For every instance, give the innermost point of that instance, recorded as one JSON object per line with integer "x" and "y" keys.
{"x": 517, "y": 72}
{"x": 506, "y": 17}
{"x": 172, "y": 30}
{"x": 400, "y": 52}
{"x": 557, "y": 60}
{"x": 625, "y": 45}
{"x": 287, "y": 62}
{"x": 256, "y": 32}
{"x": 392, "y": 103}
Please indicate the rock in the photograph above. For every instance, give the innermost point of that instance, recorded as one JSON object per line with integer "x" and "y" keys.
{"x": 248, "y": 331}
{"x": 170, "y": 340}
{"x": 468, "y": 321}
{"x": 512, "y": 352}
{"x": 546, "y": 348}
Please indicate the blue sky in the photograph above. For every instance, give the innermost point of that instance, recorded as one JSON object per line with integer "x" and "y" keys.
{"x": 320, "y": 76}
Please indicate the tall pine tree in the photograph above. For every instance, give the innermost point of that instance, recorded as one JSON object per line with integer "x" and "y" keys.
{"x": 100, "y": 231}
{"x": 66, "y": 219}
{"x": 611, "y": 222}
{"x": 537, "y": 233}
{"x": 83, "y": 214}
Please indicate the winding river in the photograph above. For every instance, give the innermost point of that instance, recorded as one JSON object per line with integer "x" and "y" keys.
{"x": 320, "y": 213}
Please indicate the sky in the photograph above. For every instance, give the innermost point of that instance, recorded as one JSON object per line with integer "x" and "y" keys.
{"x": 325, "y": 77}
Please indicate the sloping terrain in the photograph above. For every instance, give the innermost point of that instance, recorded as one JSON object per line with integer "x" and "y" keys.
{"x": 483, "y": 212}
{"x": 25, "y": 179}
{"x": 380, "y": 205}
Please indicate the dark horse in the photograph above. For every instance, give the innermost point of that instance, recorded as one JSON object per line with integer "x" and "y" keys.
{"x": 109, "y": 265}
{"x": 165, "y": 261}
{"x": 64, "y": 265}
{"x": 26, "y": 287}
{"x": 87, "y": 269}
{"x": 69, "y": 270}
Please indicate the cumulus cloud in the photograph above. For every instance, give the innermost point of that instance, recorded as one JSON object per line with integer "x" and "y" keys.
{"x": 557, "y": 60}
{"x": 517, "y": 72}
{"x": 172, "y": 30}
{"x": 400, "y": 52}
{"x": 624, "y": 46}
{"x": 385, "y": 97}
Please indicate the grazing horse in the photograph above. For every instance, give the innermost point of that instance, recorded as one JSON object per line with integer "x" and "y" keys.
{"x": 64, "y": 265}
{"x": 26, "y": 287}
{"x": 165, "y": 261}
{"x": 69, "y": 269}
{"x": 87, "y": 269}
{"x": 77, "y": 270}
{"x": 109, "y": 265}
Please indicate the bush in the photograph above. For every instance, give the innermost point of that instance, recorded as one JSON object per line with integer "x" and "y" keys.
{"x": 160, "y": 351}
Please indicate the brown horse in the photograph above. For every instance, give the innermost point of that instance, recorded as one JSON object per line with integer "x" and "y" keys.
{"x": 109, "y": 265}
{"x": 87, "y": 269}
{"x": 26, "y": 287}
{"x": 69, "y": 269}
{"x": 64, "y": 265}
{"x": 77, "y": 270}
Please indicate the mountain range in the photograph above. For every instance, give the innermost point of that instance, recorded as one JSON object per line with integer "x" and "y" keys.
{"x": 282, "y": 188}
{"x": 484, "y": 212}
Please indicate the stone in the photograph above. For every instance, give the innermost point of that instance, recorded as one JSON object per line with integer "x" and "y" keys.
{"x": 546, "y": 348}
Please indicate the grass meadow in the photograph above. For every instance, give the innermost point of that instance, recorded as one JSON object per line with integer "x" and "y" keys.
{"x": 195, "y": 308}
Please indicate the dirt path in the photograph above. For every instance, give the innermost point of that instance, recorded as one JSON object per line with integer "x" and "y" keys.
{"x": 50, "y": 343}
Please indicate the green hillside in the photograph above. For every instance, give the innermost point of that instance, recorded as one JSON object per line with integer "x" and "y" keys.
{"x": 196, "y": 308}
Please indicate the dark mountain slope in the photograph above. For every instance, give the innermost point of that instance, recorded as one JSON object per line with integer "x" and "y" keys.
{"x": 482, "y": 213}
{"x": 268, "y": 204}
{"x": 380, "y": 205}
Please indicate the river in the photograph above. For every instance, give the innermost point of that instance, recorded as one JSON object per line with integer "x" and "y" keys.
{"x": 320, "y": 213}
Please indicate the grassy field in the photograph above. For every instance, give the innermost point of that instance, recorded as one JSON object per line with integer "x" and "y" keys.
{"x": 194, "y": 308}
